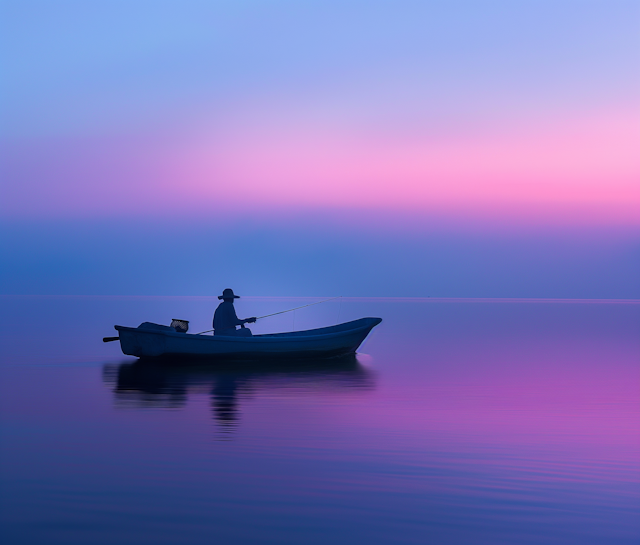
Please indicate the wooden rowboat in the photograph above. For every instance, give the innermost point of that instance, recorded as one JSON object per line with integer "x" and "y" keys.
{"x": 158, "y": 341}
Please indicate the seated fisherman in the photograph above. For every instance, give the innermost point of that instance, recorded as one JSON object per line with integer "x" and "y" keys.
{"x": 225, "y": 319}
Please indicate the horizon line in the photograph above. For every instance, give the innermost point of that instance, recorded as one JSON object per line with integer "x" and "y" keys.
{"x": 356, "y": 298}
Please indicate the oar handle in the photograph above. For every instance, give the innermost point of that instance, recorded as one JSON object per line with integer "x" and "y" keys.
{"x": 109, "y": 339}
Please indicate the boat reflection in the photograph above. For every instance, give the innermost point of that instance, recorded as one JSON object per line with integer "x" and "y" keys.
{"x": 142, "y": 384}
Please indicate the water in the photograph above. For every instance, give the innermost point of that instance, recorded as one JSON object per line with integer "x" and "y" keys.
{"x": 460, "y": 422}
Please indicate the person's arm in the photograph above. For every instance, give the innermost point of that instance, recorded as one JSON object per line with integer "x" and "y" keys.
{"x": 238, "y": 321}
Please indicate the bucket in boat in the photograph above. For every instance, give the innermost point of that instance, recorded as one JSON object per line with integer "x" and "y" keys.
{"x": 181, "y": 326}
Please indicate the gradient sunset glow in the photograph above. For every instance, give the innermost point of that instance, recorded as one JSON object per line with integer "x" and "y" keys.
{"x": 587, "y": 164}
{"x": 591, "y": 159}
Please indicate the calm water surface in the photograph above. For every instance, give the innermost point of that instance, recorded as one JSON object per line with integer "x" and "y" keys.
{"x": 460, "y": 422}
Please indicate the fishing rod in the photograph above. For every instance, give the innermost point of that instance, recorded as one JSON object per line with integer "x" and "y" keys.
{"x": 284, "y": 311}
{"x": 303, "y": 306}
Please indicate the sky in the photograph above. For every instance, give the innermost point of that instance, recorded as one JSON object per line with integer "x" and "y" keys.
{"x": 477, "y": 148}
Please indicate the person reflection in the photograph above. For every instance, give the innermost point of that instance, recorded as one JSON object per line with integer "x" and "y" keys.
{"x": 225, "y": 319}
{"x": 224, "y": 401}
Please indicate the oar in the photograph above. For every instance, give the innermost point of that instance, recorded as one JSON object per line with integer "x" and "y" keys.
{"x": 109, "y": 339}
{"x": 282, "y": 311}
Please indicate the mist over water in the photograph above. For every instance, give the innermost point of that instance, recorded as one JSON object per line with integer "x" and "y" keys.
{"x": 460, "y": 421}
{"x": 319, "y": 253}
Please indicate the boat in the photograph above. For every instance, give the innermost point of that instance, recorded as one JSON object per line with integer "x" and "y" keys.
{"x": 150, "y": 340}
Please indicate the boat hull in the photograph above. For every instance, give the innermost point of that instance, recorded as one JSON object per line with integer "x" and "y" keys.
{"x": 326, "y": 342}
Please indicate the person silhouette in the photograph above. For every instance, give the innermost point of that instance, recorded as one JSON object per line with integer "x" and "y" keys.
{"x": 225, "y": 318}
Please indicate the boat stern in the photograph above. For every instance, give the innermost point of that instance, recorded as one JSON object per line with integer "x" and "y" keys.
{"x": 141, "y": 343}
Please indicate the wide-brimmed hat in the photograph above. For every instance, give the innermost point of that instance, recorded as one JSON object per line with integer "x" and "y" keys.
{"x": 228, "y": 294}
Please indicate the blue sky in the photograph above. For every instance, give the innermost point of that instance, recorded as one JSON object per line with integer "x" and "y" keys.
{"x": 92, "y": 66}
